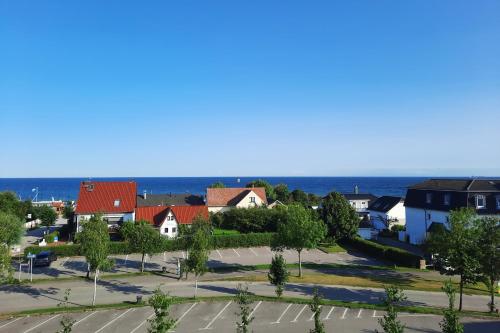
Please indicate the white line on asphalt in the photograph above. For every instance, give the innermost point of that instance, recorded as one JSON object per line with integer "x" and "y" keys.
{"x": 329, "y": 313}
{"x": 215, "y": 318}
{"x": 298, "y": 315}
{"x": 251, "y": 313}
{"x": 43, "y": 322}
{"x": 374, "y": 315}
{"x": 143, "y": 322}
{"x": 312, "y": 316}
{"x": 345, "y": 312}
{"x": 10, "y": 322}
{"x": 253, "y": 252}
{"x": 65, "y": 260}
{"x": 185, "y": 313}
{"x": 220, "y": 255}
{"x": 416, "y": 315}
{"x": 359, "y": 313}
{"x": 79, "y": 321}
{"x": 236, "y": 252}
{"x": 115, "y": 319}
{"x": 279, "y": 319}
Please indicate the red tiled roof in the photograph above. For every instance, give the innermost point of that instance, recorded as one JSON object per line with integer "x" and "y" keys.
{"x": 95, "y": 197}
{"x": 231, "y": 196}
{"x": 153, "y": 215}
{"x": 183, "y": 214}
{"x": 186, "y": 214}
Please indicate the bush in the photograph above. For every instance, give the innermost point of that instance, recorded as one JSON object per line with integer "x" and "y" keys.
{"x": 398, "y": 227}
{"x": 241, "y": 240}
{"x": 248, "y": 220}
{"x": 70, "y": 250}
{"x": 393, "y": 254}
{"x": 50, "y": 238}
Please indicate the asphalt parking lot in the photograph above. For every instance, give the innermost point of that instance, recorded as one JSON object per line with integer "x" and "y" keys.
{"x": 221, "y": 317}
{"x": 76, "y": 266}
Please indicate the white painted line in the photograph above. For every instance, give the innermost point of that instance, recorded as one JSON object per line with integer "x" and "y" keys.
{"x": 236, "y": 252}
{"x": 253, "y": 251}
{"x": 345, "y": 312}
{"x": 329, "y": 313}
{"x": 298, "y": 315}
{"x": 43, "y": 322}
{"x": 142, "y": 323}
{"x": 220, "y": 255}
{"x": 359, "y": 313}
{"x": 115, "y": 319}
{"x": 79, "y": 321}
{"x": 10, "y": 322}
{"x": 65, "y": 260}
{"x": 415, "y": 315}
{"x": 375, "y": 314}
{"x": 279, "y": 319}
{"x": 185, "y": 313}
{"x": 217, "y": 316}
{"x": 251, "y": 313}
{"x": 312, "y": 316}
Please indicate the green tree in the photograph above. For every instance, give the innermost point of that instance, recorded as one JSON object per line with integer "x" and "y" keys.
{"x": 162, "y": 322}
{"x": 488, "y": 245}
{"x": 68, "y": 211}
{"x": 300, "y": 231}
{"x": 315, "y": 307}
{"x": 94, "y": 245}
{"x": 218, "y": 184}
{"x": 198, "y": 255}
{"x": 262, "y": 183}
{"x": 6, "y": 270}
{"x": 47, "y": 215}
{"x": 339, "y": 216}
{"x": 244, "y": 300}
{"x": 282, "y": 193}
{"x": 9, "y": 203}
{"x": 278, "y": 274}
{"x": 390, "y": 322}
{"x": 66, "y": 321}
{"x": 11, "y": 229}
{"x": 141, "y": 238}
{"x": 451, "y": 320}
{"x": 456, "y": 248}
{"x": 299, "y": 197}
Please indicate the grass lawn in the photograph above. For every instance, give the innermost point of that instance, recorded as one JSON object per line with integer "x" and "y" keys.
{"x": 335, "y": 248}
{"x": 218, "y": 232}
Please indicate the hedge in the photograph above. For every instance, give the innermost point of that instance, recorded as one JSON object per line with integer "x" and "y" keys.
{"x": 67, "y": 250}
{"x": 241, "y": 240}
{"x": 396, "y": 255}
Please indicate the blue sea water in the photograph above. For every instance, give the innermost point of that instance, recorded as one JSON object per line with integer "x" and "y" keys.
{"x": 67, "y": 188}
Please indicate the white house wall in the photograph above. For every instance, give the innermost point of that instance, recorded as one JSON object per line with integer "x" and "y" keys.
{"x": 359, "y": 205}
{"x": 169, "y": 223}
{"x": 246, "y": 203}
{"x": 419, "y": 220}
{"x": 397, "y": 212}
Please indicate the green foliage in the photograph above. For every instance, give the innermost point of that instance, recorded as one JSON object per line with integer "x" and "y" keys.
{"x": 243, "y": 299}
{"x": 216, "y": 220}
{"x": 398, "y": 227}
{"x": 6, "y": 269}
{"x": 278, "y": 274}
{"x": 11, "y": 229}
{"x": 390, "y": 322}
{"x": 142, "y": 238}
{"x": 300, "y": 230}
{"x": 65, "y": 250}
{"x": 46, "y": 214}
{"x": 218, "y": 232}
{"x": 66, "y": 321}
{"x": 241, "y": 240}
{"x": 218, "y": 184}
{"x": 11, "y": 205}
{"x": 282, "y": 193}
{"x": 68, "y": 212}
{"x": 262, "y": 183}
{"x": 339, "y": 216}
{"x": 49, "y": 238}
{"x": 257, "y": 219}
{"x": 451, "y": 320}
{"x": 315, "y": 307}
{"x": 162, "y": 322}
{"x": 299, "y": 197}
{"x": 198, "y": 254}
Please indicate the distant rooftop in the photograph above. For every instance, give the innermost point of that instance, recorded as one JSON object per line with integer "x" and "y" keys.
{"x": 459, "y": 184}
{"x": 170, "y": 199}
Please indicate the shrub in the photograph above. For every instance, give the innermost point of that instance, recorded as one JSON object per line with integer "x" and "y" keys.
{"x": 241, "y": 240}
{"x": 398, "y": 227}
{"x": 67, "y": 250}
{"x": 50, "y": 238}
{"x": 248, "y": 220}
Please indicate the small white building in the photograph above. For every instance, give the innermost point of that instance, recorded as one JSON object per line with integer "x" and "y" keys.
{"x": 360, "y": 201}
{"x": 224, "y": 199}
{"x": 387, "y": 211}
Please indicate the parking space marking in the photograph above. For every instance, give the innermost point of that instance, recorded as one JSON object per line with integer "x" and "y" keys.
{"x": 143, "y": 322}
{"x": 64, "y": 261}
{"x": 254, "y": 309}
{"x": 113, "y": 320}
{"x": 298, "y": 315}
{"x": 312, "y": 316}
{"x": 79, "y": 321}
{"x": 279, "y": 319}
{"x": 375, "y": 314}
{"x": 10, "y": 322}
{"x": 359, "y": 313}
{"x": 43, "y": 322}
{"x": 329, "y": 313}
{"x": 251, "y": 250}
{"x": 217, "y": 316}
{"x": 345, "y": 312}
{"x": 220, "y": 255}
{"x": 236, "y": 252}
{"x": 185, "y": 313}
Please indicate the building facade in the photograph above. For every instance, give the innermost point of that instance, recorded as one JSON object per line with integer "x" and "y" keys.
{"x": 220, "y": 200}
{"x": 386, "y": 212}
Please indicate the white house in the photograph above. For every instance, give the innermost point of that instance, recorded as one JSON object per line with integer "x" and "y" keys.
{"x": 387, "y": 211}
{"x": 360, "y": 201}
{"x": 224, "y": 199}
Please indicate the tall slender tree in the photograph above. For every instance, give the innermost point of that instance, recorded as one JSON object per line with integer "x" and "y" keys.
{"x": 161, "y": 322}
{"x": 198, "y": 255}
{"x": 315, "y": 307}
{"x": 278, "y": 274}
{"x": 451, "y": 320}
{"x": 244, "y": 300}
{"x": 389, "y": 321}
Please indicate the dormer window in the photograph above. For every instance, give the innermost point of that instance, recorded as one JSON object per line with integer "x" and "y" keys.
{"x": 446, "y": 199}
{"x": 428, "y": 198}
{"x": 117, "y": 203}
{"x": 480, "y": 201}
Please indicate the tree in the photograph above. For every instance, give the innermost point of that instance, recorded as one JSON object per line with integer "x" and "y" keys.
{"x": 94, "y": 245}
{"x": 300, "y": 231}
{"x": 390, "y": 322}
{"x": 450, "y": 322}
{"x": 198, "y": 255}
{"x": 278, "y": 274}
{"x": 68, "y": 211}
{"x": 315, "y": 307}
{"x": 5, "y": 263}
{"x": 300, "y": 197}
{"x": 162, "y": 322}
{"x": 142, "y": 238}
{"x": 262, "y": 183}
{"x": 218, "y": 184}
{"x": 282, "y": 193}
{"x": 339, "y": 216}
{"x": 66, "y": 321}
{"x": 11, "y": 229}
{"x": 9, "y": 203}
{"x": 243, "y": 299}
{"x": 47, "y": 215}
{"x": 455, "y": 248}
{"x": 488, "y": 245}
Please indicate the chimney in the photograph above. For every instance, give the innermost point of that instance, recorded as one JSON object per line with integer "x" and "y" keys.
{"x": 356, "y": 189}
{"x": 145, "y": 194}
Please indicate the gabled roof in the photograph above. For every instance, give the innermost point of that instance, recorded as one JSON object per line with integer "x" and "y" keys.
{"x": 154, "y": 215}
{"x": 359, "y": 196}
{"x": 169, "y": 200}
{"x": 384, "y": 203}
{"x": 459, "y": 184}
{"x": 106, "y": 197}
{"x": 186, "y": 214}
{"x": 183, "y": 214}
{"x": 231, "y": 196}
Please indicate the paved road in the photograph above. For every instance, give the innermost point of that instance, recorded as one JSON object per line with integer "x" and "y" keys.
{"x": 17, "y": 298}
{"x": 222, "y": 316}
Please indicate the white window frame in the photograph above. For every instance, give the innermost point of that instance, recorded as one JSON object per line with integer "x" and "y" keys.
{"x": 478, "y": 197}
{"x": 117, "y": 203}
{"x": 447, "y": 199}
{"x": 252, "y": 200}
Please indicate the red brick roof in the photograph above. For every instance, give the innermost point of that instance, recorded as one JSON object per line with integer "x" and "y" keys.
{"x": 95, "y": 197}
{"x": 183, "y": 214}
{"x": 231, "y": 196}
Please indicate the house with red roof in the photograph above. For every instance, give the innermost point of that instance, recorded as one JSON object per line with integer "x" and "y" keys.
{"x": 116, "y": 201}
{"x": 224, "y": 199}
{"x": 168, "y": 218}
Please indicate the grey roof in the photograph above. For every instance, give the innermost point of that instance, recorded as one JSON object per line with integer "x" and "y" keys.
{"x": 359, "y": 196}
{"x": 459, "y": 184}
{"x": 169, "y": 200}
{"x": 385, "y": 203}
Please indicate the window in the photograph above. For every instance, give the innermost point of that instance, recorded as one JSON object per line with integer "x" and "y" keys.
{"x": 174, "y": 230}
{"x": 480, "y": 201}
{"x": 166, "y": 230}
{"x": 252, "y": 199}
{"x": 117, "y": 203}
{"x": 428, "y": 198}
{"x": 498, "y": 202}
{"x": 447, "y": 198}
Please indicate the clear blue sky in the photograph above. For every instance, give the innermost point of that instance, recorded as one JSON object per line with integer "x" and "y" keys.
{"x": 244, "y": 88}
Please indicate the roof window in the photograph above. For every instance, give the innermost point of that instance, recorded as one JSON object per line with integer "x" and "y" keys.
{"x": 117, "y": 203}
